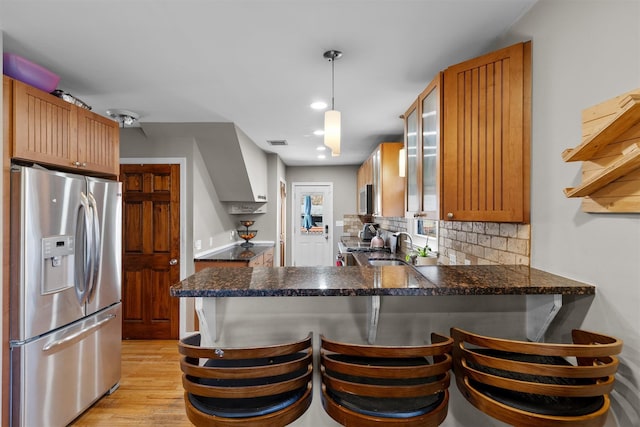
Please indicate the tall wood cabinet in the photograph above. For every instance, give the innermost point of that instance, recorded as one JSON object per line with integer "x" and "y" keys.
{"x": 467, "y": 139}
{"x": 486, "y": 137}
{"x": 51, "y": 131}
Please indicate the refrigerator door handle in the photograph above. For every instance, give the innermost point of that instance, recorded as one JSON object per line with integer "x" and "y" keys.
{"x": 95, "y": 247}
{"x": 77, "y": 335}
{"x": 84, "y": 265}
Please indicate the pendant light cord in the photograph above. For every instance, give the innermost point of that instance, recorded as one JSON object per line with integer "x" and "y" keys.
{"x": 332, "y": 83}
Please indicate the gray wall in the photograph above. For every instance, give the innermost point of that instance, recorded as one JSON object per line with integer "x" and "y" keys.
{"x": 585, "y": 52}
{"x": 212, "y": 225}
{"x": 344, "y": 193}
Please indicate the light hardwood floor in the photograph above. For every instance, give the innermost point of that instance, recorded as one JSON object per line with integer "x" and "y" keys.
{"x": 150, "y": 392}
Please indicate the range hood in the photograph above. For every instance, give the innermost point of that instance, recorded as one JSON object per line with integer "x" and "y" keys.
{"x": 237, "y": 166}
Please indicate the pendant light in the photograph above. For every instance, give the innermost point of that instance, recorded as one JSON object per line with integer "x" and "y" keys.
{"x": 332, "y": 117}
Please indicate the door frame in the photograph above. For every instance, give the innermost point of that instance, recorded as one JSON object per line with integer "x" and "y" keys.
{"x": 182, "y": 161}
{"x": 282, "y": 223}
{"x": 294, "y": 220}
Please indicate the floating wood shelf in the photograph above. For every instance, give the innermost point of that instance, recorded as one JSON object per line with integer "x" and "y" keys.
{"x": 627, "y": 117}
{"x": 610, "y": 152}
{"x": 629, "y": 161}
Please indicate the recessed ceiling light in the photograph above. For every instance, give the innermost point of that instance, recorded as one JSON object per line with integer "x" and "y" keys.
{"x": 321, "y": 147}
{"x": 322, "y": 156}
{"x": 318, "y": 132}
{"x": 319, "y": 105}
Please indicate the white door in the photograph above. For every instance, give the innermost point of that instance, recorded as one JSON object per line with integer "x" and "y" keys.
{"x": 312, "y": 224}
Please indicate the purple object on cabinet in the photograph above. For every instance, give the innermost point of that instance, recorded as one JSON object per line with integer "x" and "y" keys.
{"x": 28, "y": 72}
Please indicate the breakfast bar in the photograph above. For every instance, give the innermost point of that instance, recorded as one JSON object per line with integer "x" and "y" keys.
{"x": 543, "y": 291}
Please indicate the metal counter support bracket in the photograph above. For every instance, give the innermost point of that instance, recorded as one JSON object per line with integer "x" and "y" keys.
{"x": 373, "y": 314}
{"x": 206, "y": 311}
{"x": 541, "y": 310}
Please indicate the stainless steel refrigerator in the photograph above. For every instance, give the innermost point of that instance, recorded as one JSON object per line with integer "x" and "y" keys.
{"x": 65, "y": 310}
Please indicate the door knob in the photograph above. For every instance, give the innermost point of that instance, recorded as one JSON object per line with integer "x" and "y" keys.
{"x": 173, "y": 261}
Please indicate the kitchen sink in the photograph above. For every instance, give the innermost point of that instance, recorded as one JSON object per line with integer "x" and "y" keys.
{"x": 386, "y": 261}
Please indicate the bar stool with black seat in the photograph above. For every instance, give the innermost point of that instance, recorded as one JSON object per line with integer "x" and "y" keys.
{"x": 259, "y": 386}
{"x": 530, "y": 384}
{"x": 370, "y": 385}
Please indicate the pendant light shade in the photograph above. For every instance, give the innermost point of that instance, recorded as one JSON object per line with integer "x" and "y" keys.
{"x": 332, "y": 117}
{"x": 332, "y": 131}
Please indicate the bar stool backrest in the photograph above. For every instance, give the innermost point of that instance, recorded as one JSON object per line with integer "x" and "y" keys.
{"x": 530, "y": 384}
{"x": 365, "y": 385}
{"x": 268, "y": 386}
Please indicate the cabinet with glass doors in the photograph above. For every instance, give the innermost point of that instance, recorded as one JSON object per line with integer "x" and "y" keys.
{"x": 422, "y": 142}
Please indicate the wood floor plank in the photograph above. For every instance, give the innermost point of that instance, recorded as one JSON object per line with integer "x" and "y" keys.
{"x": 150, "y": 392}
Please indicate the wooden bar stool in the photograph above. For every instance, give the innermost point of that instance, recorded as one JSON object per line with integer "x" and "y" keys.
{"x": 260, "y": 386}
{"x": 368, "y": 385}
{"x": 529, "y": 384}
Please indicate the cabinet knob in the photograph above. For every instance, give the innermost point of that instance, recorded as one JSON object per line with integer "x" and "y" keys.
{"x": 173, "y": 261}
{"x": 75, "y": 163}
{"x": 450, "y": 215}
{"x": 84, "y": 165}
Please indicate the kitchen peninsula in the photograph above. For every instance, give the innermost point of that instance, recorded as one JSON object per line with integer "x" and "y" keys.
{"x": 543, "y": 291}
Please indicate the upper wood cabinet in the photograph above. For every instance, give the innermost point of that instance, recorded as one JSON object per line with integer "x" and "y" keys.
{"x": 51, "y": 131}
{"x": 486, "y": 137}
{"x": 423, "y": 122}
{"x": 98, "y": 143}
{"x": 381, "y": 170}
{"x": 412, "y": 193}
{"x": 365, "y": 173}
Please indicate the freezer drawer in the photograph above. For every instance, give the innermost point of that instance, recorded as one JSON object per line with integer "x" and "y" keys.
{"x": 59, "y": 375}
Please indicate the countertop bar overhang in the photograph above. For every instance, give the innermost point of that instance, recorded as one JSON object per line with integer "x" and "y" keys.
{"x": 543, "y": 291}
{"x": 369, "y": 281}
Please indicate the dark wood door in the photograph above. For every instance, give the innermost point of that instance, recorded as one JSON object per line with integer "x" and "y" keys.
{"x": 151, "y": 249}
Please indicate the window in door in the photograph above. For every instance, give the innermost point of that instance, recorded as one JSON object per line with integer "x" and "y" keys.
{"x": 311, "y": 213}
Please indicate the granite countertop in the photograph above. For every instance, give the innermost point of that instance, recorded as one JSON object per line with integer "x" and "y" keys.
{"x": 369, "y": 280}
{"x": 236, "y": 253}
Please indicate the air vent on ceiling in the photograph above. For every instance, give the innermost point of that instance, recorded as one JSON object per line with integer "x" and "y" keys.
{"x": 277, "y": 141}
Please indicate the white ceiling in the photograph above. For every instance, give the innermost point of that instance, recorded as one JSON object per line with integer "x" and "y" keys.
{"x": 257, "y": 63}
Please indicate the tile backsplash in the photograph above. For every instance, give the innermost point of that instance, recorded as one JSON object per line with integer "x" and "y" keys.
{"x": 484, "y": 243}
{"x": 475, "y": 243}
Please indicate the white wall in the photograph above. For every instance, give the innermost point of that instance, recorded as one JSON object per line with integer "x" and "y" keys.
{"x": 585, "y": 52}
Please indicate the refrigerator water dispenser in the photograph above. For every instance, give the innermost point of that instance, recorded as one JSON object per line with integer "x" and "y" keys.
{"x": 57, "y": 263}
